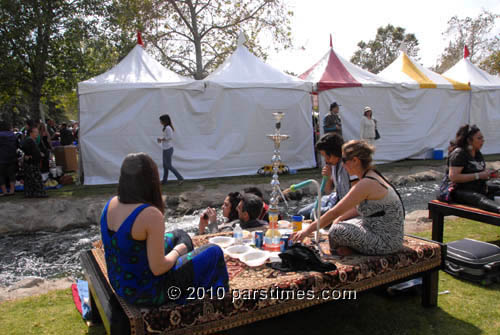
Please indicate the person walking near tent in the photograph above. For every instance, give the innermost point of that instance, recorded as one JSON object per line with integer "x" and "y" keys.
{"x": 168, "y": 149}
{"x": 367, "y": 129}
{"x": 332, "y": 122}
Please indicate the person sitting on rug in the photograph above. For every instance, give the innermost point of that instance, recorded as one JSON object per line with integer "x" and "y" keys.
{"x": 467, "y": 170}
{"x": 143, "y": 261}
{"x": 330, "y": 148}
{"x": 249, "y": 209}
{"x": 264, "y": 215}
{"x": 208, "y": 218}
{"x": 379, "y": 228}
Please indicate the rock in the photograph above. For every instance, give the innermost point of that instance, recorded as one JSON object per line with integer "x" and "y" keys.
{"x": 26, "y": 283}
{"x": 40, "y": 286}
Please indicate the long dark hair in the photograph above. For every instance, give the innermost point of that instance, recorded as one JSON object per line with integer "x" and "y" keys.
{"x": 464, "y": 134}
{"x": 165, "y": 118}
{"x": 140, "y": 181}
{"x": 234, "y": 199}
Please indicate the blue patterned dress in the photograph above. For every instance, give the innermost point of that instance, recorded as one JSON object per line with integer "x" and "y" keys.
{"x": 131, "y": 277}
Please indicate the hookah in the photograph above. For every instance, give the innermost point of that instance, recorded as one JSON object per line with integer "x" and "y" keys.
{"x": 317, "y": 207}
{"x": 272, "y": 236}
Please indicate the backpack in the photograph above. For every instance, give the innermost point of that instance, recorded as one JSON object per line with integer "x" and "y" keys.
{"x": 301, "y": 258}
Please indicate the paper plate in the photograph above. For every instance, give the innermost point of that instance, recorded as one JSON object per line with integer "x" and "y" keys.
{"x": 236, "y": 251}
{"x": 255, "y": 258}
{"x": 222, "y": 241}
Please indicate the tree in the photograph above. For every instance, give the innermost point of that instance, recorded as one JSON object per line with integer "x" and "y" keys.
{"x": 473, "y": 32}
{"x": 379, "y": 53}
{"x": 193, "y": 37}
{"x": 42, "y": 41}
{"x": 492, "y": 63}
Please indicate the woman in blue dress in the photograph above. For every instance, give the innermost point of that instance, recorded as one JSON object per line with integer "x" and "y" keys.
{"x": 144, "y": 263}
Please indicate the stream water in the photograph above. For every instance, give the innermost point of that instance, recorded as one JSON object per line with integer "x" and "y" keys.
{"x": 56, "y": 254}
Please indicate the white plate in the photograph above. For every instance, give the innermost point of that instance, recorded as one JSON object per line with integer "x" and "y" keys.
{"x": 236, "y": 251}
{"x": 255, "y": 258}
{"x": 222, "y": 241}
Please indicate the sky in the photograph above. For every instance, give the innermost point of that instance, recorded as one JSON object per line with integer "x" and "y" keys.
{"x": 352, "y": 21}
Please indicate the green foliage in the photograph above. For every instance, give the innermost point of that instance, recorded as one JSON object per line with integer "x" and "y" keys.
{"x": 377, "y": 54}
{"x": 473, "y": 32}
{"x": 492, "y": 63}
{"x": 195, "y": 37}
{"x": 42, "y": 41}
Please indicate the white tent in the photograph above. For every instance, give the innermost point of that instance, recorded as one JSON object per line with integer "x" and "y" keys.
{"x": 243, "y": 93}
{"x": 336, "y": 79}
{"x": 485, "y": 101}
{"x": 119, "y": 112}
{"x": 423, "y": 112}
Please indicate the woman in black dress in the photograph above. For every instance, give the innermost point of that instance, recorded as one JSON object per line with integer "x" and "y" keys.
{"x": 33, "y": 185}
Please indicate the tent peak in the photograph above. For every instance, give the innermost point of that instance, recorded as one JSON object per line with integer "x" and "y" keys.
{"x": 139, "y": 38}
{"x": 241, "y": 38}
{"x": 403, "y": 47}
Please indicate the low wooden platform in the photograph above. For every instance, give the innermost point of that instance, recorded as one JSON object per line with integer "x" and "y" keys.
{"x": 438, "y": 210}
{"x": 420, "y": 258}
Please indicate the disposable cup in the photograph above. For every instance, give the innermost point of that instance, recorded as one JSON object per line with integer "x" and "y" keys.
{"x": 497, "y": 199}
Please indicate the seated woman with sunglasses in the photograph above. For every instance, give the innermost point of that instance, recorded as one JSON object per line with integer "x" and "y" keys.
{"x": 370, "y": 218}
{"x": 467, "y": 171}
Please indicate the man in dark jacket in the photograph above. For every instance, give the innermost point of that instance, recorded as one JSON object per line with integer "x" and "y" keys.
{"x": 8, "y": 159}
{"x": 66, "y": 135}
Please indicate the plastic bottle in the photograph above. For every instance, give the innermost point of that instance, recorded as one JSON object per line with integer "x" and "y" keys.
{"x": 238, "y": 234}
{"x": 273, "y": 236}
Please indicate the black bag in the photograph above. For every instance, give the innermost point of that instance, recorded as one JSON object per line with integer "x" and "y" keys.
{"x": 377, "y": 134}
{"x": 473, "y": 260}
{"x": 301, "y": 258}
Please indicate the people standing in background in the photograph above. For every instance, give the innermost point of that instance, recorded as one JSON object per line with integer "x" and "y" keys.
{"x": 45, "y": 147}
{"x": 168, "y": 149}
{"x": 8, "y": 159}
{"x": 368, "y": 125}
{"x": 66, "y": 135}
{"x": 332, "y": 122}
{"x": 33, "y": 185}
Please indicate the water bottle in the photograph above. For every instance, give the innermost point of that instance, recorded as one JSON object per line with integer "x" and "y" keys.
{"x": 238, "y": 234}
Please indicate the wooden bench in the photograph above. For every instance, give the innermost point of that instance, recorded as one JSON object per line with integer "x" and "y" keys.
{"x": 419, "y": 258}
{"x": 438, "y": 210}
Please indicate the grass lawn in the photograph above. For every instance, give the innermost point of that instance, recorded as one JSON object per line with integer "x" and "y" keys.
{"x": 467, "y": 308}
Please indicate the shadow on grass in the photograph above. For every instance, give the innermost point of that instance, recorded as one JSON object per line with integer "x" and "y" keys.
{"x": 372, "y": 313}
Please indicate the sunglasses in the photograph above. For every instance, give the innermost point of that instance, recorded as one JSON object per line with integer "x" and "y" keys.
{"x": 345, "y": 159}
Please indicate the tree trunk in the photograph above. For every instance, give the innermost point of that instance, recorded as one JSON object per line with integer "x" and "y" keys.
{"x": 197, "y": 43}
{"x": 36, "y": 96}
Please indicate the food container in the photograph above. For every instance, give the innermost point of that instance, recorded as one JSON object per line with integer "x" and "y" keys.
{"x": 255, "y": 258}
{"x": 236, "y": 251}
{"x": 222, "y": 241}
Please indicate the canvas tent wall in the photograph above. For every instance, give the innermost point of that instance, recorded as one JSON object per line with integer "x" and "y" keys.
{"x": 336, "y": 79}
{"x": 245, "y": 92}
{"x": 410, "y": 114}
{"x": 485, "y": 101}
{"x": 119, "y": 112}
{"x": 430, "y": 108}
